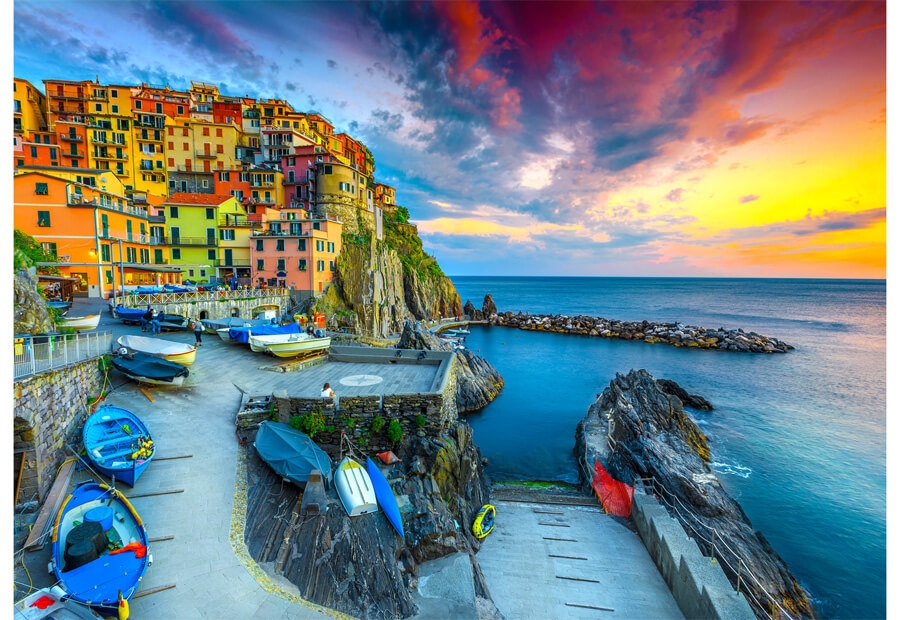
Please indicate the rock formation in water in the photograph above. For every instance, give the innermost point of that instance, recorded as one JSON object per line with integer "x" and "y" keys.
{"x": 636, "y": 430}
{"x": 30, "y": 312}
{"x": 488, "y": 307}
{"x": 477, "y": 381}
{"x": 470, "y": 311}
{"x": 675, "y": 334}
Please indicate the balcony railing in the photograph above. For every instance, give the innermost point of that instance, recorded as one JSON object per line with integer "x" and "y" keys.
{"x": 205, "y": 241}
{"x": 205, "y": 155}
{"x": 158, "y": 241}
{"x": 69, "y": 138}
{"x": 234, "y": 262}
{"x": 238, "y": 222}
{"x": 36, "y": 354}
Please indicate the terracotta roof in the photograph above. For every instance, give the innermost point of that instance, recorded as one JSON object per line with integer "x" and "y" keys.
{"x": 189, "y": 198}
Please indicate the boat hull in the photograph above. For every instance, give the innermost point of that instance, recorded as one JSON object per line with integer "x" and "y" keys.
{"x": 97, "y": 582}
{"x": 295, "y": 348}
{"x": 385, "y": 497}
{"x": 49, "y": 604}
{"x": 355, "y": 489}
{"x": 111, "y": 436}
{"x": 290, "y": 453}
{"x": 149, "y": 369}
{"x": 129, "y": 315}
{"x": 168, "y": 350}
{"x": 83, "y": 323}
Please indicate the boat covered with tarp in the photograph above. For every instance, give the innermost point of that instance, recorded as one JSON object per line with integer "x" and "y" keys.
{"x": 147, "y": 368}
{"x": 129, "y": 315}
{"x": 242, "y": 334}
{"x": 168, "y": 350}
{"x": 291, "y": 453}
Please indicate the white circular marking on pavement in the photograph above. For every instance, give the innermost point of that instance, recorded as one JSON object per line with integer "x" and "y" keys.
{"x": 361, "y": 380}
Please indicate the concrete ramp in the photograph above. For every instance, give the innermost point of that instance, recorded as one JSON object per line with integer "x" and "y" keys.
{"x": 446, "y": 589}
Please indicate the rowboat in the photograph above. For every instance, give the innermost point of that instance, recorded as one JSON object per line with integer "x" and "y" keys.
{"x": 168, "y": 350}
{"x": 62, "y": 306}
{"x": 50, "y": 604}
{"x": 99, "y": 547}
{"x": 484, "y": 521}
{"x": 297, "y": 344}
{"x": 292, "y": 454}
{"x": 146, "y": 368}
{"x": 82, "y": 323}
{"x": 174, "y": 322}
{"x": 224, "y": 334}
{"x": 118, "y": 443}
{"x": 355, "y": 489}
{"x": 242, "y": 334}
{"x": 128, "y": 315}
{"x": 259, "y": 343}
{"x": 384, "y": 494}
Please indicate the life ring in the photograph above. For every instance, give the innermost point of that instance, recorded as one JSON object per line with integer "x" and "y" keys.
{"x": 121, "y": 351}
{"x": 484, "y": 521}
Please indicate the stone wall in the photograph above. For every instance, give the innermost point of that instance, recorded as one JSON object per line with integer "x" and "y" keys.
{"x": 50, "y": 410}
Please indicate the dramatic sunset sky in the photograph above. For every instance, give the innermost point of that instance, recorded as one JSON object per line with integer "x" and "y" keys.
{"x": 553, "y": 138}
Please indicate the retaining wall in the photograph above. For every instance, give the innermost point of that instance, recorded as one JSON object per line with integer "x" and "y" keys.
{"x": 697, "y": 582}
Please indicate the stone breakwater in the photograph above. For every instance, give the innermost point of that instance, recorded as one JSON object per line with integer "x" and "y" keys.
{"x": 675, "y": 334}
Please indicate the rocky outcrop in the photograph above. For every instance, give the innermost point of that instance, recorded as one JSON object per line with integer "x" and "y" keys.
{"x": 477, "y": 381}
{"x": 675, "y": 334}
{"x": 488, "y": 307}
{"x": 690, "y": 400}
{"x": 470, "y": 311}
{"x": 637, "y": 431}
{"x": 30, "y": 313}
{"x": 360, "y": 566}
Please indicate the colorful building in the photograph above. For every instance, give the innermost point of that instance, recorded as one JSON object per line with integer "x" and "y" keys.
{"x": 192, "y": 231}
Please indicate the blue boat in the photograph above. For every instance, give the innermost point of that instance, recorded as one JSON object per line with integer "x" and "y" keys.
{"x": 384, "y": 494}
{"x": 242, "y": 334}
{"x": 118, "y": 443}
{"x": 99, "y": 547}
{"x": 129, "y": 315}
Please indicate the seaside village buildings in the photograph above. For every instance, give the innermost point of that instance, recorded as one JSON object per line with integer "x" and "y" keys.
{"x": 145, "y": 185}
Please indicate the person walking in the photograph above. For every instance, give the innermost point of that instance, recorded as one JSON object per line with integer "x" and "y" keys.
{"x": 198, "y": 329}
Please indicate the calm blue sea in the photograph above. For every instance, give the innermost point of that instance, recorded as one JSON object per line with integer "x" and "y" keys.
{"x": 798, "y": 439}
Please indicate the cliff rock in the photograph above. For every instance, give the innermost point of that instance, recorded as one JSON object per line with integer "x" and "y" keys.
{"x": 470, "y": 311}
{"x": 636, "y": 430}
{"x": 30, "y": 312}
{"x": 477, "y": 381}
{"x": 488, "y": 307}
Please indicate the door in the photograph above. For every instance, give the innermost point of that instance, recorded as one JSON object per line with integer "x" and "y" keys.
{"x": 228, "y": 262}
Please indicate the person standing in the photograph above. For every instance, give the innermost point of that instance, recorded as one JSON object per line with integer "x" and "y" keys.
{"x": 198, "y": 330}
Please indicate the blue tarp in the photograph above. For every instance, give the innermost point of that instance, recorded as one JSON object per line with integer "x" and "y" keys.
{"x": 292, "y": 454}
{"x": 241, "y": 334}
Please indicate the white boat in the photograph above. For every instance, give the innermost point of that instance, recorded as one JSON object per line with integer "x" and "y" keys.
{"x": 168, "y": 350}
{"x": 51, "y": 603}
{"x": 223, "y": 334}
{"x": 461, "y": 331}
{"x": 355, "y": 488}
{"x": 82, "y": 323}
{"x": 296, "y": 344}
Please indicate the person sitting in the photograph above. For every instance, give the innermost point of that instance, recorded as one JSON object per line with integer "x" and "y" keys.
{"x": 146, "y": 318}
{"x": 155, "y": 327}
{"x": 327, "y": 392}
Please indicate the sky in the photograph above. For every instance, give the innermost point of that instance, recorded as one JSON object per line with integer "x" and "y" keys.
{"x": 714, "y": 139}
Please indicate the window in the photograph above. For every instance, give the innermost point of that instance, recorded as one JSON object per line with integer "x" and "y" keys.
{"x": 331, "y": 265}
{"x": 137, "y": 104}
{"x": 279, "y": 245}
{"x": 223, "y": 176}
{"x": 173, "y": 213}
{"x": 206, "y": 131}
{"x": 281, "y": 264}
{"x": 105, "y": 252}
{"x": 184, "y": 146}
{"x": 41, "y": 189}
{"x": 227, "y": 234}
{"x": 113, "y": 93}
{"x": 98, "y": 107}
{"x": 259, "y": 245}
{"x": 171, "y": 162}
{"x": 210, "y": 213}
{"x": 109, "y": 279}
{"x": 34, "y": 152}
{"x": 326, "y": 169}
{"x": 43, "y": 218}
{"x": 159, "y": 108}
{"x": 114, "y": 108}
{"x": 218, "y": 132}
{"x": 211, "y": 255}
{"x": 331, "y": 247}
{"x": 220, "y": 148}
{"x": 320, "y": 245}
{"x": 171, "y": 146}
{"x": 204, "y": 183}
{"x": 317, "y": 225}
{"x": 190, "y": 273}
{"x": 180, "y": 109}
{"x": 301, "y": 245}
{"x": 260, "y": 264}
{"x": 184, "y": 132}
{"x": 49, "y": 248}
{"x": 320, "y": 265}
{"x": 159, "y": 164}
{"x": 302, "y": 264}
{"x": 52, "y": 153}
{"x": 176, "y": 253}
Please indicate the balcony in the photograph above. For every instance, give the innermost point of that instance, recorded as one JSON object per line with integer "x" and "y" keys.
{"x": 156, "y": 240}
{"x": 72, "y": 154}
{"x": 205, "y": 155}
{"x": 191, "y": 169}
{"x": 234, "y": 262}
{"x": 70, "y": 138}
{"x": 238, "y": 222}
{"x": 198, "y": 241}
{"x": 102, "y": 155}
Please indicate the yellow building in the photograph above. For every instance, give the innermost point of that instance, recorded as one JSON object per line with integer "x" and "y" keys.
{"x": 196, "y": 150}
{"x": 192, "y": 227}
{"x": 28, "y": 108}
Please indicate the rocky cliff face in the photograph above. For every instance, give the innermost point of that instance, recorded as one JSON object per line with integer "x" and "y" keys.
{"x": 636, "y": 430}
{"x": 30, "y": 313}
{"x": 360, "y": 566}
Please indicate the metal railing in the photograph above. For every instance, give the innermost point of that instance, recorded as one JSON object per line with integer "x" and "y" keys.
{"x": 36, "y": 354}
{"x": 140, "y": 300}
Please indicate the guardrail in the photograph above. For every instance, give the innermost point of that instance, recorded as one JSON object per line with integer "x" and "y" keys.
{"x": 39, "y": 353}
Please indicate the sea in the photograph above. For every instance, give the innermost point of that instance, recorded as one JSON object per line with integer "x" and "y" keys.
{"x": 799, "y": 439}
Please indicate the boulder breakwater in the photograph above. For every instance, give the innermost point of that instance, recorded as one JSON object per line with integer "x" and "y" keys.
{"x": 675, "y": 334}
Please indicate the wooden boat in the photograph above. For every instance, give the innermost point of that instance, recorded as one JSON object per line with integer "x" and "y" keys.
{"x": 355, "y": 489}
{"x": 242, "y": 334}
{"x": 484, "y": 521}
{"x": 82, "y": 323}
{"x": 51, "y": 604}
{"x": 384, "y": 494}
{"x": 297, "y": 344}
{"x": 146, "y": 368}
{"x": 99, "y": 547}
{"x": 62, "y": 306}
{"x": 118, "y": 443}
{"x": 224, "y": 334}
{"x": 259, "y": 343}
{"x": 174, "y": 322}
{"x": 292, "y": 454}
{"x": 168, "y": 350}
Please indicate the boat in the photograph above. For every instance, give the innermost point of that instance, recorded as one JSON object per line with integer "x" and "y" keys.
{"x": 168, "y": 350}
{"x": 212, "y": 325}
{"x": 484, "y": 521}
{"x": 118, "y": 443}
{"x": 99, "y": 547}
{"x": 242, "y": 334}
{"x": 224, "y": 334}
{"x": 297, "y": 344}
{"x": 385, "y": 497}
{"x": 174, "y": 322}
{"x": 259, "y": 343}
{"x": 292, "y": 454}
{"x": 82, "y": 323}
{"x": 50, "y": 604}
{"x": 355, "y": 489}
{"x": 128, "y": 315}
{"x": 460, "y": 331}
{"x": 147, "y": 368}
{"x": 62, "y": 306}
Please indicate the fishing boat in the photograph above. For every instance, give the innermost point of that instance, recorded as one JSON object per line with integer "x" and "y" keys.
{"x": 146, "y": 368}
{"x": 168, "y": 350}
{"x": 224, "y": 334}
{"x": 118, "y": 443}
{"x": 99, "y": 547}
{"x": 484, "y": 521}
{"x": 51, "y": 604}
{"x": 82, "y": 323}
{"x": 128, "y": 315}
{"x": 292, "y": 454}
{"x": 355, "y": 489}
{"x": 384, "y": 494}
{"x": 459, "y": 331}
{"x": 260, "y": 343}
{"x": 62, "y": 306}
{"x": 174, "y": 322}
{"x": 297, "y": 344}
{"x": 242, "y": 334}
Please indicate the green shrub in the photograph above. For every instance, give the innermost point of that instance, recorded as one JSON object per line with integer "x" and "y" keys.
{"x": 377, "y": 424}
{"x": 310, "y": 423}
{"x": 395, "y": 431}
{"x": 420, "y": 421}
